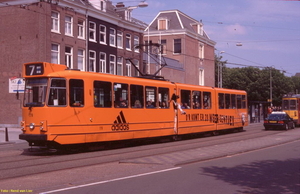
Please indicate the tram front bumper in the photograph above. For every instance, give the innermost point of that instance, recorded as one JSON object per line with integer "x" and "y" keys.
{"x": 33, "y": 137}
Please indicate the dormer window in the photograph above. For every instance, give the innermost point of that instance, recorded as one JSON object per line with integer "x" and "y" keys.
{"x": 128, "y": 15}
{"x": 99, "y": 4}
{"x": 103, "y": 5}
{"x": 198, "y": 28}
{"x": 201, "y": 29}
{"x": 163, "y": 24}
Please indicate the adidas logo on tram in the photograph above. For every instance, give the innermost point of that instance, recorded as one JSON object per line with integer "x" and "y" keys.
{"x": 120, "y": 123}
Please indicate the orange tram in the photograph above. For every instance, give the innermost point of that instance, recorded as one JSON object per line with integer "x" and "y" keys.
{"x": 64, "y": 107}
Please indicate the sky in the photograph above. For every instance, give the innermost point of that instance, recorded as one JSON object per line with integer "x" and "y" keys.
{"x": 268, "y": 30}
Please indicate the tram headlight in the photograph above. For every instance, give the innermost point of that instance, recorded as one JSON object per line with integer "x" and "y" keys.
{"x": 22, "y": 124}
{"x": 31, "y": 126}
{"x": 43, "y": 126}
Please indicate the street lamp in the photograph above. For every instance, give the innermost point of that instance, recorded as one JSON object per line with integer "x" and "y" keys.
{"x": 125, "y": 12}
{"x": 121, "y": 7}
{"x": 271, "y": 88}
{"x": 220, "y": 69}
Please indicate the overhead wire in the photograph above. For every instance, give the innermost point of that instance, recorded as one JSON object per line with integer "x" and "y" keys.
{"x": 26, "y": 7}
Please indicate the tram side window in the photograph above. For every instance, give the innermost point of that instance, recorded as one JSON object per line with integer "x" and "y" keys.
{"x": 57, "y": 94}
{"x": 151, "y": 97}
{"x": 136, "y": 96}
{"x": 244, "y": 101}
{"x": 239, "y": 101}
{"x": 76, "y": 92}
{"x": 221, "y": 100}
{"x": 185, "y": 96}
{"x": 233, "y": 101}
{"x": 163, "y": 97}
{"x": 227, "y": 101}
{"x": 102, "y": 94}
{"x": 121, "y": 95}
{"x": 206, "y": 100}
{"x": 197, "y": 100}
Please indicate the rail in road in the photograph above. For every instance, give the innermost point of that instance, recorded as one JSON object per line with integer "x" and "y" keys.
{"x": 17, "y": 160}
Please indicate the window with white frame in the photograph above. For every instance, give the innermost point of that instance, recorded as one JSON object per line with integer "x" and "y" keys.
{"x": 54, "y": 21}
{"x": 55, "y": 53}
{"x": 177, "y": 46}
{"x": 112, "y": 64}
{"x": 136, "y": 43}
{"x": 120, "y": 66}
{"x": 201, "y": 77}
{"x": 69, "y": 57}
{"x": 201, "y": 51}
{"x": 92, "y": 61}
{"x": 81, "y": 29}
{"x": 112, "y": 37}
{"x": 102, "y": 34}
{"x": 128, "y": 42}
{"x": 81, "y": 60}
{"x": 128, "y": 68}
{"x": 120, "y": 39}
{"x": 92, "y": 31}
{"x": 69, "y": 25}
{"x": 102, "y": 66}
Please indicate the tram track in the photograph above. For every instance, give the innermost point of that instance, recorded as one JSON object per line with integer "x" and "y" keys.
{"x": 28, "y": 163}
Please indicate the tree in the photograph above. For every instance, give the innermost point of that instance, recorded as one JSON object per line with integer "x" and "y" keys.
{"x": 258, "y": 82}
{"x": 296, "y": 81}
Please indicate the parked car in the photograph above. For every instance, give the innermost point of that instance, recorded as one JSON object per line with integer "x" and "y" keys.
{"x": 279, "y": 120}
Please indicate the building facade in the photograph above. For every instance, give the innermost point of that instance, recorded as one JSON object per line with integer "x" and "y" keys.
{"x": 78, "y": 33}
{"x": 183, "y": 39}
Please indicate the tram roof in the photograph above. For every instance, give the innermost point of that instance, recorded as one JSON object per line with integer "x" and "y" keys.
{"x": 291, "y": 96}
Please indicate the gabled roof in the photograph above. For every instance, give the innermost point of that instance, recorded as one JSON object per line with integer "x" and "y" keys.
{"x": 177, "y": 21}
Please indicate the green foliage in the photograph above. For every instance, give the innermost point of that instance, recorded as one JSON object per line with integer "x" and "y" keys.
{"x": 256, "y": 82}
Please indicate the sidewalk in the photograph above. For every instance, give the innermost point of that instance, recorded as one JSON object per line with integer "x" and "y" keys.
{"x": 13, "y": 135}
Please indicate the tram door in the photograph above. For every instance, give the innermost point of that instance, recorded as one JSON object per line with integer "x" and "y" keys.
{"x": 174, "y": 106}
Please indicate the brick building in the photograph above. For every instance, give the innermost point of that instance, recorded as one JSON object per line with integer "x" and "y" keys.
{"x": 95, "y": 36}
{"x": 78, "y": 33}
{"x": 184, "y": 40}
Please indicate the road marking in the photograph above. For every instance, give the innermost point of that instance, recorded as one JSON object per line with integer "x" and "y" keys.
{"x": 112, "y": 180}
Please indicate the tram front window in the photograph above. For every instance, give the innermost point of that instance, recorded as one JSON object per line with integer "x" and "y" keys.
{"x": 35, "y": 92}
{"x": 293, "y": 105}
{"x": 289, "y": 105}
{"x": 285, "y": 105}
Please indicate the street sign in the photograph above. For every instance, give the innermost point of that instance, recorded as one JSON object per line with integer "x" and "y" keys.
{"x": 16, "y": 84}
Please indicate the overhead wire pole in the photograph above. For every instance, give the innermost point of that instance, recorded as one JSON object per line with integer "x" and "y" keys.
{"x": 220, "y": 71}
